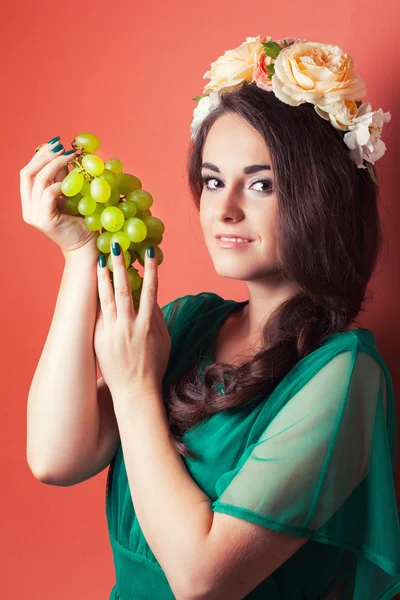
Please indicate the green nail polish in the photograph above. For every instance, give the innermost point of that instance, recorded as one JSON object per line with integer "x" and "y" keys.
{"x": 69, "y": 152}
{"x": 116, "y": 249}
{"x": 150, "y": 251}
{"x": 57, "y": 148}
{"x": 102, "y": 260}
{"x": 54, "y": 140}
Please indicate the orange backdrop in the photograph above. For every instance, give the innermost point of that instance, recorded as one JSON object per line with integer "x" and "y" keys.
{"x": 128, "y": 71}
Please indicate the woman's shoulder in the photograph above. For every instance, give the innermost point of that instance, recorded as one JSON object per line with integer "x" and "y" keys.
{"x": 195, "y": 303}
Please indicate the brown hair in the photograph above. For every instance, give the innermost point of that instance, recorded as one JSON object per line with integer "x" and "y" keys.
{"x": 329, "y": 239}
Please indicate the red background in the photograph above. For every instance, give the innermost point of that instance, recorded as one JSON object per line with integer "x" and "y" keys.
{"x": 128, "y": 72}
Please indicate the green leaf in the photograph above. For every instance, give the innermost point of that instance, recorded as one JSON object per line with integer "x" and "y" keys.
{"x": 371, "y": 171}
{"x": 270, "y": 69}
{"x": 271, "y": 49}
{"x": 198, "y": 98}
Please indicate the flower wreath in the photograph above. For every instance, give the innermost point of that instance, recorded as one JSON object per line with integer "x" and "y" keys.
{"x": 298, "y": 71}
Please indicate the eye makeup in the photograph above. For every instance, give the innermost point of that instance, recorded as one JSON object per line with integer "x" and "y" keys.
{"x": 205, "y": 179}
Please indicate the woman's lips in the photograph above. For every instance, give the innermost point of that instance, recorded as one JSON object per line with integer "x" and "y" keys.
{"x": 232, "y": 245}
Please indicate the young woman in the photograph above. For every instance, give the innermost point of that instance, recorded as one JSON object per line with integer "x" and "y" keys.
{"x": 258, "y": 462}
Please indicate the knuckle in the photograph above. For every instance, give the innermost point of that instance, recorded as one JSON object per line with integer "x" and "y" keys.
{"x": 108, "y": 302}
{"x": 43, "y": 178}
{"x": 26, "y": 173}
{"x": 51, "y": 191}
{"x": 123, "y": 291}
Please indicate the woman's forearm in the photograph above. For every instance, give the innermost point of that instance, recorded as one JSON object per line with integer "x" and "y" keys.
{"x": 62, "y": 411}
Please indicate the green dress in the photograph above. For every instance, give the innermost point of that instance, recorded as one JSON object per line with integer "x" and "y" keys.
{"x": 315, "y": 459}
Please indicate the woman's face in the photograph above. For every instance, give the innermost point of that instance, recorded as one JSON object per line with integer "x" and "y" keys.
{"x": 239, "y": 203}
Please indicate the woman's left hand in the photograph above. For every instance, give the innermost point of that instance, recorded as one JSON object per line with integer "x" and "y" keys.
{"x": 132, "y": 347}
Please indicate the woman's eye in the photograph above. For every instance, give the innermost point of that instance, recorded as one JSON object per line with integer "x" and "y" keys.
{"x": 206, "y": 181}
{"x": 266, "y": 182}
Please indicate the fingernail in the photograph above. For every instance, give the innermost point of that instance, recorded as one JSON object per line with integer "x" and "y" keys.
{"x": 69, "y": 152}
{"x": 102, "y": 260}
{"x": 116, "y": 249}
{"x": 54, "y": 140}
{"x": 57, "y": 148}
{"x": 150, "y": 251}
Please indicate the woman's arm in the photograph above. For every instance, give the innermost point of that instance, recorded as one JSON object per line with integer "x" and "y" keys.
{"x": 63, "y": 419}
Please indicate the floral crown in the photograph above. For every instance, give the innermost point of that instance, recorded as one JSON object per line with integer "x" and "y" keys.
{"x": 298, "y": 71}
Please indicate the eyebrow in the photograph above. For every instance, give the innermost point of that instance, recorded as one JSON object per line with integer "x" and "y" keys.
{"x": 247, "y": 170}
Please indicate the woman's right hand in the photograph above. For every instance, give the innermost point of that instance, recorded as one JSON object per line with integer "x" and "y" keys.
{"x": 43, "y": 202}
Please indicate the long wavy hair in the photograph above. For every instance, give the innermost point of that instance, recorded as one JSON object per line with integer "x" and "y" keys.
{"x": 329, "y": 239}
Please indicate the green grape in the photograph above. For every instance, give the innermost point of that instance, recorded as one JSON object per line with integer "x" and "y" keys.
{"x": 135, "y": 245}
{"x": 122, "y": 239}
{"x": 136, "y": 299}
{"x": 93, "y": 221}
{"x": 141, "y": 198}
{"x": 154, "y": 241}
{"x": 158, "y": 253}
{"x": 100, "y": 190}
{"x": 127, "y": 258}
{"x": 133, "y": 255}
{"x": 134, "y": 279}
{"x": 136, "y": 229}
{"x": 87, "y": 205}
{"x": 128, "y": 208}
{"x": 111, "y": 178}
{"x": 99, "y": 208}
{"x": 154, "y": 226}
{"x": 113, "y": 200}
{"x": 142, "y": 213}
{"x": 85, "y": 191}
{"x": 87, "y": 142}
{"x": 72, "y": 183}
{"x": 103, "y": 242}
{"x": 114, "y": 164}
{"x": 112, "y": 218}
{"x": 127, "y": 183}
{"x": 71, "y": 204}
{"x": 93, "y": 164}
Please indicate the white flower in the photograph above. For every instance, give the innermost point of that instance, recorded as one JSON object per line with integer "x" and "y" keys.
{"x": 203, "y": 108}
{"x": 363, "y": 137}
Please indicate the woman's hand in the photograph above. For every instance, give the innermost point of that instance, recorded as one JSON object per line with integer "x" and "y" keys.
{"x": 132, "y": 348}
{"x": 43, "y": 202}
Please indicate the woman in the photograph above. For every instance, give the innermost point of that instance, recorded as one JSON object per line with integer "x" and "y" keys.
{"x": 263, "y": 465}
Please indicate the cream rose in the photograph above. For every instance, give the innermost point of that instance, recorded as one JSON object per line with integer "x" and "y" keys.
{"x": 315, "y": 73}
{"x": 234, "y": 66}
{"x": 340, "y": 114}
{"x": 260, "y": 73}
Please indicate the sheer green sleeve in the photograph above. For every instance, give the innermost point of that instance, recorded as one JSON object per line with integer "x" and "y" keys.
{"x": 322, "y": 468}
{"x": 173, "y": 309}
{"x": 188, "y": 308}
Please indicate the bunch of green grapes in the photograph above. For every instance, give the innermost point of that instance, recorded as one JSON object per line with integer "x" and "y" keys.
{"x": 114, "y": 204}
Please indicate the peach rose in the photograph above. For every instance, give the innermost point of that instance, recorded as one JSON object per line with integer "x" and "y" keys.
{"x": 315, "y": 73}
{"x": 234, "y": 66}
{"x": 260, "y": 73}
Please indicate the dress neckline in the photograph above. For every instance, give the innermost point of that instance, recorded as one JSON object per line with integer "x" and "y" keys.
{"x": 366, "y": 335}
